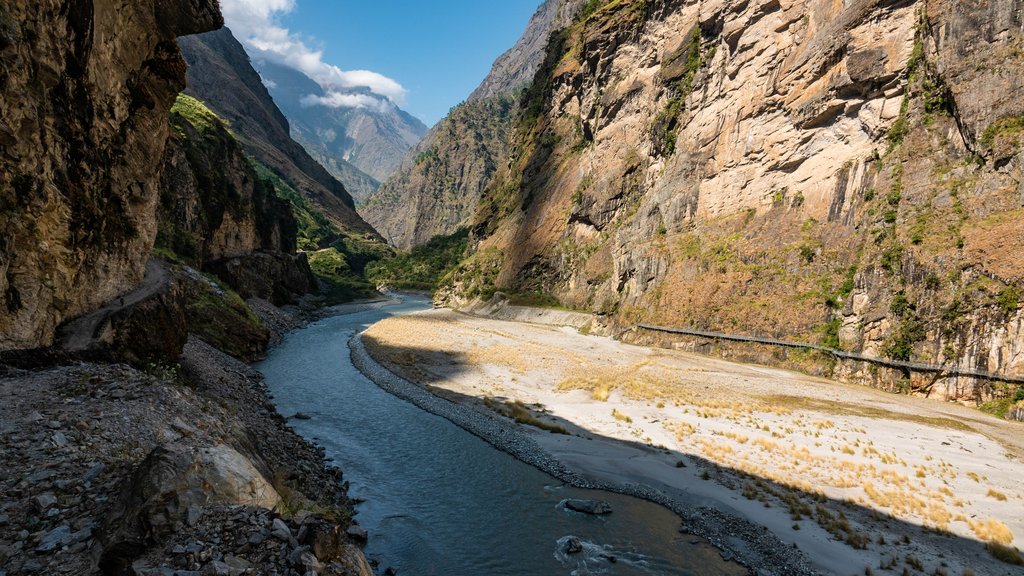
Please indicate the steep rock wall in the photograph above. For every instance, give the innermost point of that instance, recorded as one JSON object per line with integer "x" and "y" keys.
{"x": 212, "y": 204}
{"x": 437, "y": 186}
{"x": 84, "y": 95}
{"x": 848, "y": 174}
{"x": 435, "y": 189}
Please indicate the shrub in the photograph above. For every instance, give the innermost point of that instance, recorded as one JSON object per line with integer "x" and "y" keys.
{"x": 1008, "y": 300}
{"x": 1005, "y": 553}
{"x": 422, "y": 267}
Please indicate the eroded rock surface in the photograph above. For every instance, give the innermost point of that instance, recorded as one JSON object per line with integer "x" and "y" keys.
{"x": 83, "y": 114}
{"x": 435, "y": 189}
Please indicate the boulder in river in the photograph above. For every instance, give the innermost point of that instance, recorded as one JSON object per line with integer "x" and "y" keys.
{"x": 589, "y": 506}
{"x": 573, "y": 546}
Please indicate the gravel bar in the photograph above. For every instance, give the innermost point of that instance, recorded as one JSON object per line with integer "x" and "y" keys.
{"x": 738, "y": 539}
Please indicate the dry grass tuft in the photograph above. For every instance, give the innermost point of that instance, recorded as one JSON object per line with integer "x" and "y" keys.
{"x": 993, "y": 493}
{"x": 991, "y": 530}
{"x": 1005, "y": 553}
{"x": 522, "y": 414}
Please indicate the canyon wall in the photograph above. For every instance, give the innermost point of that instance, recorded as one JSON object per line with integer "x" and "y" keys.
{"x": 844, "y": 174}
{"x": 84, "y": 95}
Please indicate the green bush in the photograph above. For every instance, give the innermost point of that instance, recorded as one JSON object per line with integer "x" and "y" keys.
{"x": 900, "y": 344}
{"x": 338, "y": 281}
{"x": 1008, "y": 300}
{"x": 592, "y": 6}
{"x": 830, "y": 333}
{"x": 423, "y": 267}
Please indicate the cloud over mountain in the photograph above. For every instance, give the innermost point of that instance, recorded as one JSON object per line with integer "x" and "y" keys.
{"x": 255, "y": 24}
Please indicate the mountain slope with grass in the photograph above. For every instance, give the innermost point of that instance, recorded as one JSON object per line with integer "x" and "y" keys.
{"x": 338, "y": 243}
{"x": 221, "y": 76}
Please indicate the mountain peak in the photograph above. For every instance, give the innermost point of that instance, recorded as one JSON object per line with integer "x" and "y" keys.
{"x": 343, "y": 125}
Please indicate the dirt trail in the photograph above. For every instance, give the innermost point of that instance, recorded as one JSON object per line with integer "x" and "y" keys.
{"x": 80, "y": 334}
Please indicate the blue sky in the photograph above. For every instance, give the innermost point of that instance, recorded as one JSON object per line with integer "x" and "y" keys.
{"x": 426, "y": 56}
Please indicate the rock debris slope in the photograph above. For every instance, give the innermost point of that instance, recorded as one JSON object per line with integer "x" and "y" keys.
{"x": 849, "y": 174}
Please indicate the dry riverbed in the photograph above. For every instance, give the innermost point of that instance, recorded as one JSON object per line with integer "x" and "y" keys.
{"x": 859, "y": 480}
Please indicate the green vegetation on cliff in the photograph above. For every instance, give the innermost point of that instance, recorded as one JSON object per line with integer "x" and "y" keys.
{"x": 188, "y": 109}
{"x": 220, "y": 317}
{"x": 338, "y": 258}
{"x": 315, "y": 230}
{"x": 423, "y": 267}
{"x": 208, "y": 186}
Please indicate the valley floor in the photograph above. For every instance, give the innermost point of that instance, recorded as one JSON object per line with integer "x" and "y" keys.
{"x": 857, "y": 479}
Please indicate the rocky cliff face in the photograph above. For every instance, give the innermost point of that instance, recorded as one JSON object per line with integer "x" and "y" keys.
{"x": 217, "y": 215}
{"x": 221, "y": 76}
{"x": 212, "y": 204}
{"x": 372, "y": 137}
{"x": 84, "y": 96}
{"x": 849, "y": 174}
{"x": 439, "y": 182}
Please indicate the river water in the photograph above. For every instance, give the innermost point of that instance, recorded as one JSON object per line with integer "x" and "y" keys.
{"x": 438, "y": 500}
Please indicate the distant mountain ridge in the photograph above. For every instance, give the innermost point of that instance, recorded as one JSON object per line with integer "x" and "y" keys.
{"x": 221, "y": 76}
{"x": 439, "y": 182}
{"x": 285, "y": 81}
{"x": 368, "y": 133}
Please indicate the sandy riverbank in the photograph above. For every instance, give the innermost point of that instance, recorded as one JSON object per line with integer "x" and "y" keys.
{"x": 852, "y": 477}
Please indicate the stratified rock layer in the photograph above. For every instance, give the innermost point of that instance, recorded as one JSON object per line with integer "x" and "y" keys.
{"x": 84, "y": 95}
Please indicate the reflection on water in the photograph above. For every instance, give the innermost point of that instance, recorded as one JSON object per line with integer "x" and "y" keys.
{"x": 438, "y": 500}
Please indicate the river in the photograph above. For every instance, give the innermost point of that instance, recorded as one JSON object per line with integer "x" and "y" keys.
{"x": 438, "y": 500}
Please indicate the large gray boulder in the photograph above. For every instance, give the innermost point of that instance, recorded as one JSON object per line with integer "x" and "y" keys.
{"x": 169, "y": 489}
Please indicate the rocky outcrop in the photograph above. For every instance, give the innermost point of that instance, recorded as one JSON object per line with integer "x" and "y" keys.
{"x": 515, "y": 68}
{"x": 436, "y": 188}
{"x": 213, "y": 206}
{"x": 266, "y": 275}
{"x": 84, "y": 95}
{"x": 151, "y": 324}
{"x": 172, "y": 486}
{"x": 217, "y": 215}
{"x": 589, "y": 506}
{"x": 843, "y": 174}
{"x": 372, "y": 137}
{"x": 221, "y": 76}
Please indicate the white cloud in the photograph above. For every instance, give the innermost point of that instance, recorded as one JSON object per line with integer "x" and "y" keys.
{"x": 343, "y": 100}
{"x": 254, "y": 23}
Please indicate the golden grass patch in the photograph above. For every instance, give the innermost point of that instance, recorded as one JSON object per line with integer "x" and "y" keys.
{"x": 991, "y": 530}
